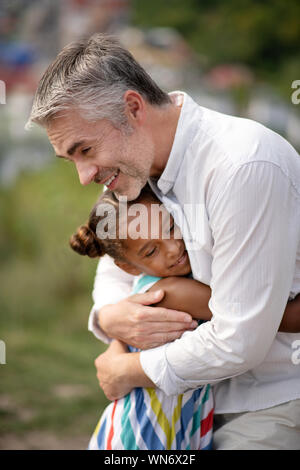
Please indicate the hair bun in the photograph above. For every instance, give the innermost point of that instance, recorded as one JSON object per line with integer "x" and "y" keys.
{"x": 85, "y": 242}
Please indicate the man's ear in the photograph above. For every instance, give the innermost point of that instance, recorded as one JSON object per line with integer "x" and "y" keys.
{"x": 128, "y": 268}
{"x": 135, "y": 106}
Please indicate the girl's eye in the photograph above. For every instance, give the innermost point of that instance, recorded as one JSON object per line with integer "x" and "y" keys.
{"x": 151, "y": 253}
{"x": 85, "y": 151}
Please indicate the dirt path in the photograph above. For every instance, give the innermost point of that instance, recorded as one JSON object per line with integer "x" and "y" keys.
{"x": 42, "y": 441}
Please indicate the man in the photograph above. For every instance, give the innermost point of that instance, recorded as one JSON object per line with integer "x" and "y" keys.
{"x": 104, "y": 113}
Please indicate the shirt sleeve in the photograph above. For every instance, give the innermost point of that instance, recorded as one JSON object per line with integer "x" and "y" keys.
{"x": 255, "y": 228}
{"x": 111, "y": 285}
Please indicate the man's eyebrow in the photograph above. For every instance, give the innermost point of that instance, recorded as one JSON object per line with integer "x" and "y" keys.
{"x": 72, "y": 149}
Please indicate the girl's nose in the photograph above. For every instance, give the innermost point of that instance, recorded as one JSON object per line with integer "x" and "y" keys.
{"x": 174, "y": 248}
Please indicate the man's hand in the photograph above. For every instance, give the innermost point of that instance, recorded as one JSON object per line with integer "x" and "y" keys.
{"x": 134, "y": 322}
{"x": 119, "y": 372}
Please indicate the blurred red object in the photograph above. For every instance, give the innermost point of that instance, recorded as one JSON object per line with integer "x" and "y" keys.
{"x": 229, "y": 76}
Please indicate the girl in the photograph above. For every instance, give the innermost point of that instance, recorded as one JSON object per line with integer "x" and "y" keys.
{"x": 147, "y": 418}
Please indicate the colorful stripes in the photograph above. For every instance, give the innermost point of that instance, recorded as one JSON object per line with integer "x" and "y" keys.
{"x": 147, "y": 419}
{"x": 127, "y": 434}
{"x": 147, "y": 429}
{"x": 111, "y": 431}
{"x": 162, "y": 420}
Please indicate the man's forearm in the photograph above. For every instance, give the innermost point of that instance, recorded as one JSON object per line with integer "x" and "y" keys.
{"x": 119, "y": 371}
{"x": 134, "y": 371}
{"x": 102, "y": 317}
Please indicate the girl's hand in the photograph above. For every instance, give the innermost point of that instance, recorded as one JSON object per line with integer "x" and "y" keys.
{"x": 119, "y": 372}
{"x": 135, "y": 322}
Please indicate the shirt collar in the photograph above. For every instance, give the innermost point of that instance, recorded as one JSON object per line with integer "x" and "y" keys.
{"x": 185, "y": 132}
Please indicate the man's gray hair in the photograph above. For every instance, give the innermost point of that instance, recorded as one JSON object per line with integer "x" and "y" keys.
{"x": 92, "y": 76}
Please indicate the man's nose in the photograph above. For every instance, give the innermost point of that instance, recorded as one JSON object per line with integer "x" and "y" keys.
{"x": 86, "y": 172}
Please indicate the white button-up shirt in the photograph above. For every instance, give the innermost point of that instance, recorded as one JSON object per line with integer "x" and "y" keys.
{"x": 233, "y": 187}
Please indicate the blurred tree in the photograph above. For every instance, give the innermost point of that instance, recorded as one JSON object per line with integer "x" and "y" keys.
{"x": 262, "y": 34}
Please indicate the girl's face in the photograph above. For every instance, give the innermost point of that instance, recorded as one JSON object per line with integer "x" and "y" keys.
{"x": 159, "y": 250}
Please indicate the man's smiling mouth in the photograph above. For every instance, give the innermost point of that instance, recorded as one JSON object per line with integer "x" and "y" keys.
{"x": 108, "y": 181}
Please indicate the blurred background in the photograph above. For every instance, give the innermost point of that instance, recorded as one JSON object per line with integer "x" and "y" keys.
{"x": 238, "y": 57}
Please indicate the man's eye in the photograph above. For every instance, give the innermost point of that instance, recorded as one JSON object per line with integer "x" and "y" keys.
{"x": 85, "y": 151}
{"x": 150, "y": 253}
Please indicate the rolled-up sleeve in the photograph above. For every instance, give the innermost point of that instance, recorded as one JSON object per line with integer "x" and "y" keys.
{"x": 255, "y": 229}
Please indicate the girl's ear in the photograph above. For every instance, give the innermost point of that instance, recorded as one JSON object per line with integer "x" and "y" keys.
{"x": 128, "y": 268}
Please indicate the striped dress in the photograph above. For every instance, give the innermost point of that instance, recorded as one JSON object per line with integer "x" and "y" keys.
{"x": 148, "y": 419}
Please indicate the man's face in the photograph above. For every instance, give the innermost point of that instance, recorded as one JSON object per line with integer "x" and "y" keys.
{"x": 103, "y": 154}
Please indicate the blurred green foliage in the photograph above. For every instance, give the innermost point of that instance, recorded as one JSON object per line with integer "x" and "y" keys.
{"x": 45, "y": 287}
{"x": 263, "y": 34}
{"x": 44, "y": 304}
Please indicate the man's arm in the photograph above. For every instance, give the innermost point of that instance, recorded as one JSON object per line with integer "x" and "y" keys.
{"x": 111, "y": 285}
{"x": 190, "y": 295}
{"x": 193, "y": 297}
{"x": 131, "y": 319}
{"x": 117, "y": 371}
{"x": 255, "y": 224}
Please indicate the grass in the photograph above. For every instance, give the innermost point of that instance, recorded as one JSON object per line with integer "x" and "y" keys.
{"x": 49, "y": 381}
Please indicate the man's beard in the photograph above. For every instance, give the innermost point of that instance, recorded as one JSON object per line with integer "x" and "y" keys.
{"x": 133, "y": 186}
{"x": 137, "y": 174}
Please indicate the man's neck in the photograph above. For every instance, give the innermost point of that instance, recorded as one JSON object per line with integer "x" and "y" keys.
{"x": 164, "y": 122}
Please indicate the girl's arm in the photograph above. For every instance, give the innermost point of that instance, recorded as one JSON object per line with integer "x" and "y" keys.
{"x": 191, "y": 296}
{"x": 129, "y": 318}
{"x": 290, "y": 322}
